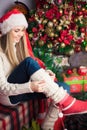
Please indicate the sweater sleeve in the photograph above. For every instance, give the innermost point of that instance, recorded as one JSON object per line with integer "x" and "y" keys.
{"x": 9, "y": 89}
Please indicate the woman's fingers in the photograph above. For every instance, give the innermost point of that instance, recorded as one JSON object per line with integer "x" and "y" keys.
{"x": 38, "y": 86}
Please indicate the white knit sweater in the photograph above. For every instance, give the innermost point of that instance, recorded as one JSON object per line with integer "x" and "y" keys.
{"x": 7, "y": 89}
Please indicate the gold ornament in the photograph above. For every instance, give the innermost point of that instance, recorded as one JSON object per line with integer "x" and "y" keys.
{"x": 46, "y": 6}
{"x": 71, "y": 52}
{"x": 83, "y": 9}
{"x": 54, "y": 20}
{"x": 55, "y": 35}
{"x": 73, "y": 45}
{"x": 63, "y": 45}
{"x": 67, "y": 22}
{"x": 59, "y": 27}
{"x": 50, "y": 24}
{"x": 61, "y": 11}
{"x": 48, "y": 30}
{"x": 51, "y": 34}
{"x": 76, "y": 19}
{"x": 44, "y": 21}
{"x": 31, "y": 35}
{"x": 41, "y": 42}
{"x": 40, "y": 20}
{"x": 62, "y": 21}
{"x": 36, "y": 18}
{"x": 49, "y": 45}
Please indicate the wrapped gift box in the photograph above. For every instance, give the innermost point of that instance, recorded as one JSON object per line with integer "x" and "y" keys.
{"x": 76, "y": 83}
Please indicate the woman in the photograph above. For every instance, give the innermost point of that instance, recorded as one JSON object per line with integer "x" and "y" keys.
{"x": 21, "y": 75}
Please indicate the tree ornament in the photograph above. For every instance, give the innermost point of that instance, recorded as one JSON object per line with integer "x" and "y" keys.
{"x": 44, "y": 21}
{"x": 73, "y": 45}
{"x": 75, "y": 19}
{"x": 59, "y": 27}
{"x": 31, "y": 35}
{"x": 69, "y": 71}
{"x": 36, "y": 17}
{"x": 46, "y": 6}
{"x": 79, "y": 6}
{"x": 35, "y": 38}
{"x": 54, "y": 20}
{"x": 80, "y": 13}
{"x": 81, "y": 71}
{"x": 49, "y": 45}
{"x": 83, "y": 9}
{"x": 40, "y": 42}
{"x": 61, "y": 11}
{"x": 82, "y": 29}
{"x": 55, "y": 35}
{"x": 51, "y": 34}
{"x": 50, "y": 24}
{"x": 63, "y": 45}
{"x": 67, "y": 22}
{"x": 48, "y": 30}
{"x": 77, "y": 49}
{"x": 71, "y": 52}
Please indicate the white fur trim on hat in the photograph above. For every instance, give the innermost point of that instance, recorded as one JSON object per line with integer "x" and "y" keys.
{"x": 13, "y": 21}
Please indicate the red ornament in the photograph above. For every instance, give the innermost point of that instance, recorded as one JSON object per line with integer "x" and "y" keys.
{"x": 79, "y": 41}
{"x": 80, "y": 13}
{"x": 82, "y": 29}
{"x": 34, "y": 29}
{"x": 69, "y": 71}
{"x": 66, "y": 12}
{"x": 77, "y": 49}
{"x": 82, "y": 71}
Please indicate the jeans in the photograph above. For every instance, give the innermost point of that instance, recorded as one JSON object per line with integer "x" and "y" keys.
{"x": 22, "y": 74}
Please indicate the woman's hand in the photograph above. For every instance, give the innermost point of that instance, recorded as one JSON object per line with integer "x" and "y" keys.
{"x": 52, "y": 75}
{"x": 37, "y": 86}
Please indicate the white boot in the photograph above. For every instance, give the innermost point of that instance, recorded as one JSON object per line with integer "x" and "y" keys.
{"x": 51, "y": 117}
{"x": 51, "y": 89}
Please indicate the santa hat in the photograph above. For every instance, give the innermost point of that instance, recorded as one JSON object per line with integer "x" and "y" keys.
{"x": 12, "y": 19}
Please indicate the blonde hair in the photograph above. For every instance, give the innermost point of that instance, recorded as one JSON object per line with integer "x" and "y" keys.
{"x": 8, "y": 47}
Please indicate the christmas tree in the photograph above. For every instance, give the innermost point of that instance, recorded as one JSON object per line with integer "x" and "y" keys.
{"x": 57, "y": 29}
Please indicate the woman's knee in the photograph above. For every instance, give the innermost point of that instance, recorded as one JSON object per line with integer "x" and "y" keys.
{"x": 31, "y": 61}
{"x": 31, "y": 65}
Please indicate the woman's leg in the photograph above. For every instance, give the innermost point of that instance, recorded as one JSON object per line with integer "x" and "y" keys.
{"x": 67, "y": 104}
{"x": 60, "y": 97}
{"x": 22, "y": 74}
